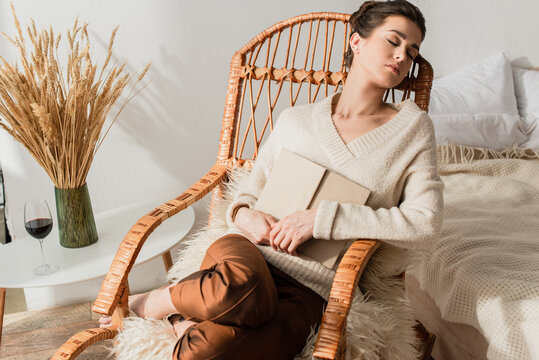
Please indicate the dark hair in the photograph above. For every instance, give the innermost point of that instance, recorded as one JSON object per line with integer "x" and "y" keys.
{"x": 372, "y": 14}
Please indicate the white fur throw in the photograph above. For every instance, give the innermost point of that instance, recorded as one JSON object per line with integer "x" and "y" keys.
{"x": 379, "y": 325}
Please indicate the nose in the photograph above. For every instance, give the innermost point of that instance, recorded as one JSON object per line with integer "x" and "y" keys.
{"x": 400, "y": 54}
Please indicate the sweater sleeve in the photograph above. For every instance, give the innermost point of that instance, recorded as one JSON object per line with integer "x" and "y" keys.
{"x": 413, "y": 224}
{"x": 250, "y": 189}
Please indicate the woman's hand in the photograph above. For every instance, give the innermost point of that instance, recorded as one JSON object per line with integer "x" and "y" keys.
{"x": 292, "y": 231}
{"x": 256, "y": 223}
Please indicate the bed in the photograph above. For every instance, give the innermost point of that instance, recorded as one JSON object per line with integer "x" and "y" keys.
{"x": 477, "y": 287}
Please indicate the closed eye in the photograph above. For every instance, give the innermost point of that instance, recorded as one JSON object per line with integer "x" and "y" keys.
{"x": 394, "y": 44}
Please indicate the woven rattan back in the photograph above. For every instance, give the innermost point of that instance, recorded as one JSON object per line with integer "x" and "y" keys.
{"x": 296, "y": 61}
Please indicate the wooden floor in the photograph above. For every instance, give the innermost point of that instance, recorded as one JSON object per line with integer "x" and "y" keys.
{"x": 36, "y": 335}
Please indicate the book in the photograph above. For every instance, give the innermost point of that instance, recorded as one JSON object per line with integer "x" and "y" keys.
{"x": 296, "y": 183}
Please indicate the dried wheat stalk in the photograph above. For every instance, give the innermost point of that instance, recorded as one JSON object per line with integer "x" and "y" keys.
{"x": 59, "y": 118}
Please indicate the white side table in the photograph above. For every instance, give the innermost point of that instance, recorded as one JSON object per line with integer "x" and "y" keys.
{"x": 20, "y": 257}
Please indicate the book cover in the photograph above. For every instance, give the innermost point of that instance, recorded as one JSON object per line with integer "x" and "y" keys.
{"x": 296, "y": 183}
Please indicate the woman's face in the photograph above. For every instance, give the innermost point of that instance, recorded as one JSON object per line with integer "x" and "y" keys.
{"x": 393, "y": 44}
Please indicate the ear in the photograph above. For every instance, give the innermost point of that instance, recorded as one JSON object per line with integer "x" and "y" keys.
{"x": 355, "y": 41}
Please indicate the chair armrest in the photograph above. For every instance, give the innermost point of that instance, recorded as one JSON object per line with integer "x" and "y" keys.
{"x": 330, "y": 342}
{"x": 115, "y": 281}
{"x": 80, "y": 341}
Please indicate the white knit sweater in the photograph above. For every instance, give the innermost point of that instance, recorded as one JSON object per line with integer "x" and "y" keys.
{"x": 396, "y": 161}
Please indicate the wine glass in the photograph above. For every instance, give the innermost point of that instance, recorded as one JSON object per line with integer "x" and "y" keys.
{"x": 38, "y": 223}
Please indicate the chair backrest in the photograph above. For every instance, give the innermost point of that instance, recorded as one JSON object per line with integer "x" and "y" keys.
{"x": 291, "y": 63}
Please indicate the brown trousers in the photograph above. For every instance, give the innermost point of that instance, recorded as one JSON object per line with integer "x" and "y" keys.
{"x": 245, "y": 308}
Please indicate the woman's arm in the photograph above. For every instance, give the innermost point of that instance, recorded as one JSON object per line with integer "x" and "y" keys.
{"x": 412, "y": 224}
{"x": 250, "y": 189}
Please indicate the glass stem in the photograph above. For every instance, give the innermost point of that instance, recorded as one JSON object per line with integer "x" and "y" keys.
{"x": 42, "y": 255}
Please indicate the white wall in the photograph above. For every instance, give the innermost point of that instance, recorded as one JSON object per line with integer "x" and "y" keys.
{"x": 168, "y": 136}
{"x": 461, "y": 32}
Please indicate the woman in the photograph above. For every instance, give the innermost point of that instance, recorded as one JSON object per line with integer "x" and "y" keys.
{"x": 251, "y": 300}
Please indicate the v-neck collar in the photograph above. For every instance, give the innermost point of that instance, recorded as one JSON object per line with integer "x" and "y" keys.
{"x": 334, "y": 144}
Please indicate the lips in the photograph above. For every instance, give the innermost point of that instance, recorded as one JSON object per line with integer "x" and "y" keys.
{"x": 394, "y": 69}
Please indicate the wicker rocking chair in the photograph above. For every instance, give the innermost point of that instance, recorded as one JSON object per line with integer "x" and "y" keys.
{"x": 265, "y": 66}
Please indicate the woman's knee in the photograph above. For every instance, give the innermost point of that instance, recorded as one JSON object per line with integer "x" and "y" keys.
{"x": 248, "y": 297}
{"x": 234, "y": 286}
{"x": 236, "y": 264}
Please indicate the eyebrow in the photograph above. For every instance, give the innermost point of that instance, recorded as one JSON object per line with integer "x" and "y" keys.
{"x": 402, "y": 35}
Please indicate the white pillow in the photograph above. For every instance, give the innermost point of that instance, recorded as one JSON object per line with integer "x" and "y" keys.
{"x": 494, "y": 131}
{"x": 485, "y": 87}
{"x": 527, "y": 94}
{"x": 533, "y": 134}
{"x": 527, "y": 91}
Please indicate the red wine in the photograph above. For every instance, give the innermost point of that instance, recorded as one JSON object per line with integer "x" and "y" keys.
{"x": 39, "y": 228}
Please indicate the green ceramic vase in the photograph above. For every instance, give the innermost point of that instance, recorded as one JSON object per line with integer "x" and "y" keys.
{"x": 76, "y": 222}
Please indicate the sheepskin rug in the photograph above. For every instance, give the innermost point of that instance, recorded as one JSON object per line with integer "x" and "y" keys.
{"x": 379, "y": 324}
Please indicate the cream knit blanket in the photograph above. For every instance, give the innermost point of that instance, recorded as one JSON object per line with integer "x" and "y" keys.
{"x": 484, "y": 270}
